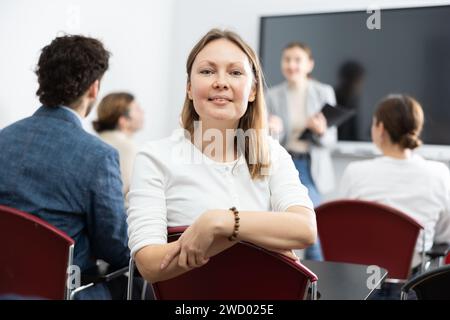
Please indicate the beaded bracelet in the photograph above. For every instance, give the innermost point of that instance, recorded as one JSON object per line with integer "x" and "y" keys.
{"x": 236, "y": 224}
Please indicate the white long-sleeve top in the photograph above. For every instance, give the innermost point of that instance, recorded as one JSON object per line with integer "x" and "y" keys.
{"x": 419, "y": 188}
{"x": 173, "y": 183}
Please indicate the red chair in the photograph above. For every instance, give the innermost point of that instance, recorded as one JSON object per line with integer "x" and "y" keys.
{"x": 242, "y": 272}
{"x": 34, "y": 256}
{"x": 368, "y": 233}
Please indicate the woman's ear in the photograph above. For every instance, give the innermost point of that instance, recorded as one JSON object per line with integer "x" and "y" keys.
{"x": 188, "y": 90}
{"x": 252, "y": 96}
{"x": 311, "y": 65}
{"x": 382, "y": 133}
{"x": 377, "y": 131}
{"x": 93, "y": 89}
{"x": 122, "y": 123}
{"x": 380, "y": 128}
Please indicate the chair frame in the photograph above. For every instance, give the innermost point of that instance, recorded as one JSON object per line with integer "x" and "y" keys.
{"x": 409, "y": 285}
{"x": 439, "y": 252}
{"x": 176, "y": 231}
{"x": 45, "y": 225}
{"x": 69, "y": 293}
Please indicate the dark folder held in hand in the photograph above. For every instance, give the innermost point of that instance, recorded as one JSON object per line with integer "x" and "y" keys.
{"x": 335, "y": 116}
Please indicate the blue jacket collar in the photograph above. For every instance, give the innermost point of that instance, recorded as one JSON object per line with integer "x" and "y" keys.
{"x": 58, "y": 113}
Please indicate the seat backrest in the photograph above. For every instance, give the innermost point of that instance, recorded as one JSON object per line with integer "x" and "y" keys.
{"x": 431, "y": 285}
{"x": 242, "y": 272}
{"x": 34, "y": 256}
{"x": 368, "y": 233}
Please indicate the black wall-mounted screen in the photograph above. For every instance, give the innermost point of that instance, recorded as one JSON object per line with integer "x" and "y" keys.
{"x": 409, "y": 54}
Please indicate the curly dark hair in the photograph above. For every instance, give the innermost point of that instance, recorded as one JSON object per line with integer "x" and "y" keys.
{"x": 67, "y": 67}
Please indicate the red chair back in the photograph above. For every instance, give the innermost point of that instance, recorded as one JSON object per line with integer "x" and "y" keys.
{"x": 368, "y": 233}
{"x": 34, "y": 256}
{"x": 447, "y": 260}
{"x": 242, "y": 272}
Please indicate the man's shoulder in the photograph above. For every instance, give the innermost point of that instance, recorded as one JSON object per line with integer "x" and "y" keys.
{"x": 84, "y": 142}
{"x": 96, "y": 144}
{"x": 321, "y": 88}
{"x": 15, "y": 127}
{"x": 436, "y": 169}
{"x": 363, "y": 167}
{"x": 68, "y": 137}
{"x": 163, "y": 149}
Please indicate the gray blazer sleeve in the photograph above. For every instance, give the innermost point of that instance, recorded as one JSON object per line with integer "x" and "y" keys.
{"x": 270, "y": 104}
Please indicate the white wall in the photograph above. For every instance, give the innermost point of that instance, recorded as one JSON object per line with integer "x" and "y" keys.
{"x": 137, "y": 32}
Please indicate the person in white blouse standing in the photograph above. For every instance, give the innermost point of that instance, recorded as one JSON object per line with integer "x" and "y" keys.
{"x": 195, "y": 176}
{"x": 401, "y": 179}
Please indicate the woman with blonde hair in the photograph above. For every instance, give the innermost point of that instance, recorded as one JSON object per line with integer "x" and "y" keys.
{"x": 221, "y": 174}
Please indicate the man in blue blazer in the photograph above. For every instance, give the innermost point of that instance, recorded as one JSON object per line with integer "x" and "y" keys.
{"x": 50, "y": 167}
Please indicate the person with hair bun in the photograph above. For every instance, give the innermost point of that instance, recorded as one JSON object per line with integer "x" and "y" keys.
{"x": 401, "y": 178}
{"x": 119, "y": 117}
